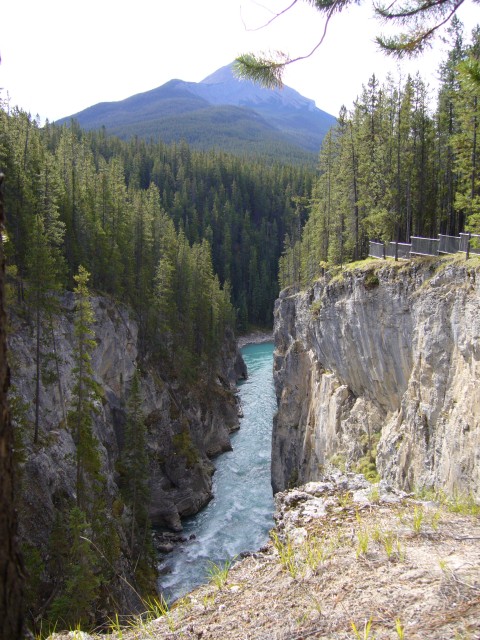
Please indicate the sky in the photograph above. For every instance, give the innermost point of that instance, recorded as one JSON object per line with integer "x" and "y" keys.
{"x": 60, "y": 56}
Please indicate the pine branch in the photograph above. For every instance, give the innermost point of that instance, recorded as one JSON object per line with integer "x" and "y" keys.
{"x": 275, "y": 17}
{"x": 415, "y": 41}
{"x": 418, "y": 8}
{"x": 268, "y": 71}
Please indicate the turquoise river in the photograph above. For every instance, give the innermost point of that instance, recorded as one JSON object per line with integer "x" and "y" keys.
{"x": 240, "y": 515}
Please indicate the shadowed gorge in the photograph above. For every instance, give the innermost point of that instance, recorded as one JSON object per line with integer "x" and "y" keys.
{"x": 133, "y": 262}
{"x": 239, "y": 516}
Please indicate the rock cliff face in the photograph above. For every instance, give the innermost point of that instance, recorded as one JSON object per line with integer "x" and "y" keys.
{"x": 381, "y": 362}
{"x": 184, "y": 428}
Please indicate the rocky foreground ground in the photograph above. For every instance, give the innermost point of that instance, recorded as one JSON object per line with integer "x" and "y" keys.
{"x": 347, "y": 560}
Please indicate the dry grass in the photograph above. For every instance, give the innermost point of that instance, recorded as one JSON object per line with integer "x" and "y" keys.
{"x": 414, "y": 579}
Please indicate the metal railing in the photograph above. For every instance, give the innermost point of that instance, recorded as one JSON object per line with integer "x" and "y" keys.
{"x": 398, "y": 250}
{"x": 470, "y": 243}
{"x": 377, "y": 249}
{"x": 449, "y": 244}
{"x": 464, "y": 243}
{"x": 424, "y": 246}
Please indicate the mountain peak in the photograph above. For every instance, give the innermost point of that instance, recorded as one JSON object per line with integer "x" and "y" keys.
{"x": 221, "y": 111}
{"x": 224, "y": 85}
{"x": 224, "y": 74}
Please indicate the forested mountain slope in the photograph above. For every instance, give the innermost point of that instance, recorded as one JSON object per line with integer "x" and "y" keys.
{"x": 176, "y": 236}
{"x": 113, "y": 207}
{"x": 221, "y": 112}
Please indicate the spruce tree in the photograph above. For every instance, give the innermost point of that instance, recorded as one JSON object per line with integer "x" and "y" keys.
{"x": 466, "y": 142}
{"x": 135, "y": 463}
{"x": 85, "y": 397}
{"x": 135, "y": 490}
{"x": 44, "y": 270}
{"x": 447, "y": 125}
{"x": 75, "y": 606}
{"x": 11, "y": 569}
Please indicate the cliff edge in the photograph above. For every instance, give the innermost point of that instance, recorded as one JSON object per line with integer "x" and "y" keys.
{"x": 347, "y": 560}
{"x": 377, "y": 369}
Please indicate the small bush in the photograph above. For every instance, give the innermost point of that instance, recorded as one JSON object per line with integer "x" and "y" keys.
{"x": 368, "y": 468}
{"x": 371, "y": 280}
{"x": 184, "y": 446}
{"x": 315, "y": 308}
{"x": 339, "y": 461}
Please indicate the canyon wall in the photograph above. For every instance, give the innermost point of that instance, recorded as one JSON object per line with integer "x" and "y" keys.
{"x": 186, "y": 426}
{"x": 380, "y": 365}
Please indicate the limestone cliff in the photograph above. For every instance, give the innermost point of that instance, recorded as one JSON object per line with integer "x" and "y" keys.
{"x": 185, "y": 427}
{"x": 381, "y": 362}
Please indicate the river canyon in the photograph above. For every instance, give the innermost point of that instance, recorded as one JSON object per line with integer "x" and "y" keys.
{"x": 240, "y": 514}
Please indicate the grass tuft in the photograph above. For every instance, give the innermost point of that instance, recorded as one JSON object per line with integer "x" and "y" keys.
{"x": 218, "y": 573}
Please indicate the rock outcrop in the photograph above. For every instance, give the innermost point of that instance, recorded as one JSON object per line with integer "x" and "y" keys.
{"x": 185, "y": 426}
{"x": 381, "y": 363}
{"x": 347, "y": 559}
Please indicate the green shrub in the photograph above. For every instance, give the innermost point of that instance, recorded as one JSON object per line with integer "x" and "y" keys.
{"x": 371, "y": 280}
{"x": 184, "y": 446}
{"x": 315, "y": 308}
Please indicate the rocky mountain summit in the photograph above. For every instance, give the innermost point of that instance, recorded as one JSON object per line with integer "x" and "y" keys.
{"x": 221, "y": 111}
{"x": 346, "y": 557}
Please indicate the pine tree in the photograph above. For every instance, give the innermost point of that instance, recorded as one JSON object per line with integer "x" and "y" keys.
{"x": 447, "y": 126}
{"x": 165, "y": 285}
{"x": 134, "y": 482}
{"x": 85, "y": 397}
{"x": 466, "y": 143}
{"x": 81, "y": 580}
{"x": 12, "y": 583}
{"x": 44, "y": 270}
{"x": 135, "y": 465}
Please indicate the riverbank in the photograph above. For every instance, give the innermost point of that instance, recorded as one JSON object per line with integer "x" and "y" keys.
{"x": 256, "y": 337}
{"x": 240, "y": 516}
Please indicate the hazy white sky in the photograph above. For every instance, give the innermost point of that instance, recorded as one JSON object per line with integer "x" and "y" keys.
{"x": 59, "y": 57}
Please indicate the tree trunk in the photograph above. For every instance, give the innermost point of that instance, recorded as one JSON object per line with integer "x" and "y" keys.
{"x": 37, "y": 368}
{"x": 474, "y": 156}
{"x": 11, "y": 572}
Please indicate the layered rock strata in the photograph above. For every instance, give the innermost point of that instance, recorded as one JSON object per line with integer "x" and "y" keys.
{"x": 381, "y": 363}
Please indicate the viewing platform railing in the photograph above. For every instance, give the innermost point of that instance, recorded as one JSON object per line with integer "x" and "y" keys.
{"x": 398, "y": 250}
{"x": 464, "y": 243}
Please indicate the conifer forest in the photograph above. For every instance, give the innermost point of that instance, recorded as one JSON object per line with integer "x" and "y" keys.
{"x": 195, "y": 242}
{"x": 394, "y": 167}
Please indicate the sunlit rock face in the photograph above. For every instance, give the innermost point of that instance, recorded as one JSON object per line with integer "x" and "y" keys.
{"x": 381, "y": 362}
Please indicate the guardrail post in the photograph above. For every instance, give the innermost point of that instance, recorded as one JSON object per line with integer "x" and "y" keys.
{"x": 383, "y": 251}
{"x": 396, "y": 251}
{"x": 467, "y": 253}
